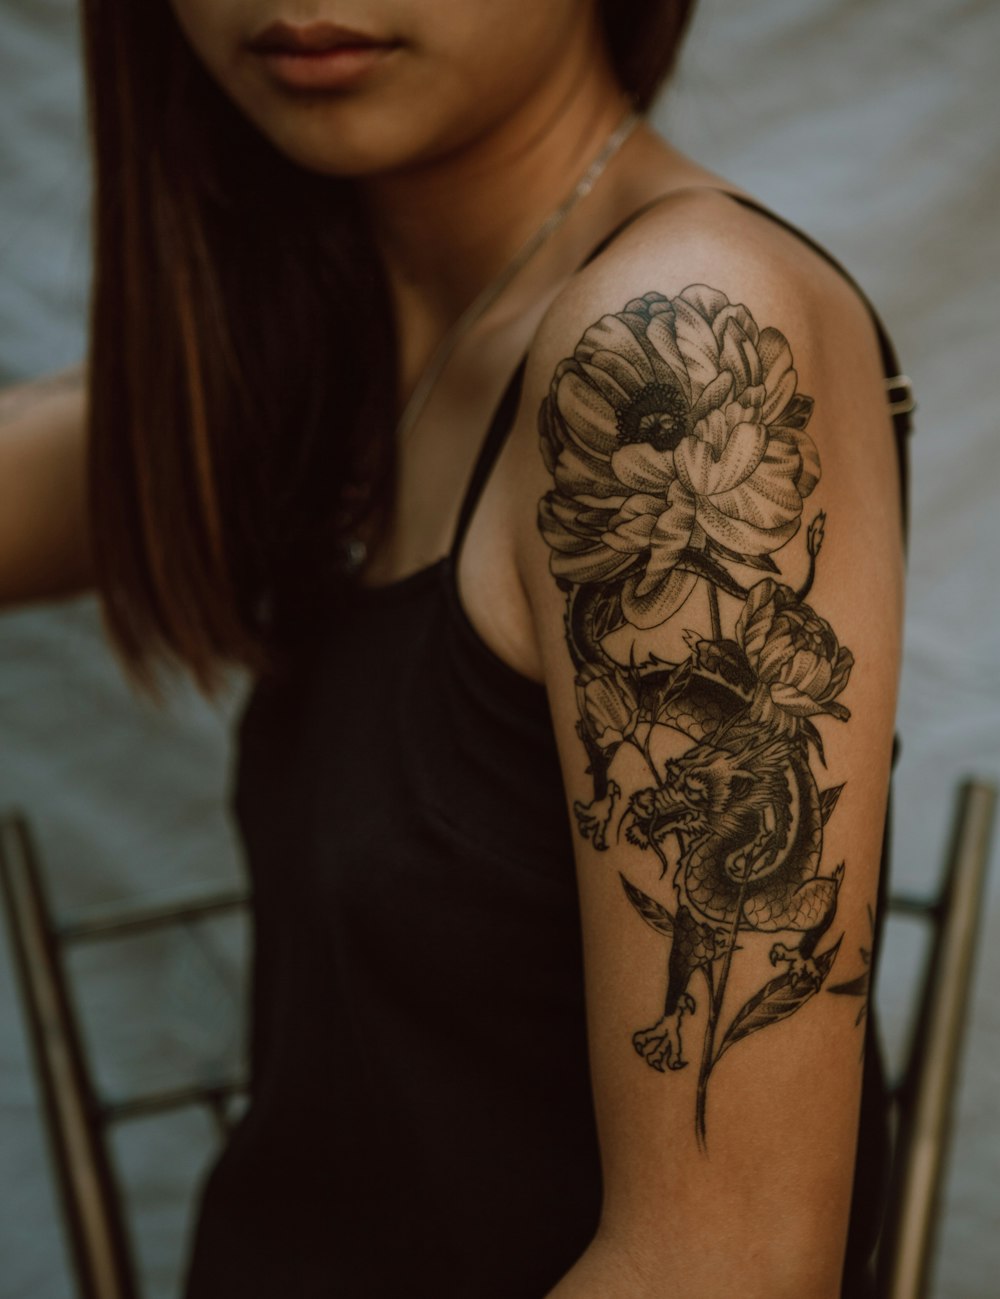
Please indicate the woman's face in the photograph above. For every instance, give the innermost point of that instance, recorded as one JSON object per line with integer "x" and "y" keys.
{"x": 355, "y": 87}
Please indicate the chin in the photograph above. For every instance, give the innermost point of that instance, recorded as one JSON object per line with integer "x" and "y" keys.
{"x": 351, "y": 139}
{"x": 328, "y": 152}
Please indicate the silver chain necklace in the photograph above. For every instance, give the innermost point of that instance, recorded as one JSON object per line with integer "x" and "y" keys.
{"x": 356, "y": 550}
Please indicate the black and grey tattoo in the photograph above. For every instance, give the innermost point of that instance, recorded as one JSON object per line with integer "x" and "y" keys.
{"x": 676, "y": 439}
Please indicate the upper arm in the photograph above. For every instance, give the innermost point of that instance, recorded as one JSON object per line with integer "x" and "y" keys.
{"x": 711, "y": 543}
{"x": 44, "y": 551}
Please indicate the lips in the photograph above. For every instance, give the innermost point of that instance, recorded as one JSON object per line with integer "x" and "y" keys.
{"x": 318, "y": 56}
{"x": 313, "y": 38}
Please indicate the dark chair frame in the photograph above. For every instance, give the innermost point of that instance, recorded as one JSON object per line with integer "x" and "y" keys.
{"x": 925, "y": 1094}
{"x": 76, "y": 1118}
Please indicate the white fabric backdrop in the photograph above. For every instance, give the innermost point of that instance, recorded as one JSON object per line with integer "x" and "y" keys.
{"x": 872, "y": 126}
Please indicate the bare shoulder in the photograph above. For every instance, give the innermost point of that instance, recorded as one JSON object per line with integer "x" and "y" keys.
{"x": 704, "y": 316}
{"x": 702, "y": 234}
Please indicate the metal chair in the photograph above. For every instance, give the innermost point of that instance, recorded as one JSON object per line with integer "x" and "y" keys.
{"x": 924, "y": 1096}
{"x": 76, "y": 1118}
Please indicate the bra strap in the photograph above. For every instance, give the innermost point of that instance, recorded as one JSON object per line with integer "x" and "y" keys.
{"x": 899, "y": 389}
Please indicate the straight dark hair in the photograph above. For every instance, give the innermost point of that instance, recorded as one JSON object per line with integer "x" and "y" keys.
{"x": 242, "y": 361}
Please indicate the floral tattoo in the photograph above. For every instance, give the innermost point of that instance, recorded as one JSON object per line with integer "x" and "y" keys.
{"x": 676, "y": 439}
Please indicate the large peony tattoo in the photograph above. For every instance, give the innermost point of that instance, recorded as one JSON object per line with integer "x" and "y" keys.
{"x": 676, "y": 439}
{"x": 675, "y": 427}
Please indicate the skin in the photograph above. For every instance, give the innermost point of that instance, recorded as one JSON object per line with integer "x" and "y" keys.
{"x": 467, "y": 136}
{"x": 463, "y": 141}
{"x": 43, "y": 515}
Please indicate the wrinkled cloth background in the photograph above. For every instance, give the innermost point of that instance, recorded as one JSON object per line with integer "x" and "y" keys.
{"x": 872, "y": 126}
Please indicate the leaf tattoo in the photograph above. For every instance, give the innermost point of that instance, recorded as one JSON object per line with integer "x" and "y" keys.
{"x": 778, "y": 999}
{"x": 676, "y": 440}
{"x": 654, "y": 913}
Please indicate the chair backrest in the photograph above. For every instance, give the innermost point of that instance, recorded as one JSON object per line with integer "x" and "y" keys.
{"x": 925, "y": 1093}
{"x": 75, "y": 1117}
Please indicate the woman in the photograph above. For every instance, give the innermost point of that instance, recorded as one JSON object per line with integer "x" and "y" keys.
{"x": 563, "y": 782}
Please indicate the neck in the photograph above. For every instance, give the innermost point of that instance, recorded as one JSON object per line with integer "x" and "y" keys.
{"x": 447, "y": 226}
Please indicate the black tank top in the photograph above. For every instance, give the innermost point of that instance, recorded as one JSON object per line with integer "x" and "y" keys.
{"x": 421, "y": 1123}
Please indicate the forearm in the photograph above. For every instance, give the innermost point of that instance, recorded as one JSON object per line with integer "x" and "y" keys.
{"x": 17, "y": 399}
{"x": 44, "y": 550}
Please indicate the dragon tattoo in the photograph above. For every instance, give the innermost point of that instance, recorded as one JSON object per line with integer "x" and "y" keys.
{"x": 676, "y": 439}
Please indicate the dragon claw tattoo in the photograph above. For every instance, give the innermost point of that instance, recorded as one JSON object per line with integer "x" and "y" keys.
{"x": 676, "y": 439}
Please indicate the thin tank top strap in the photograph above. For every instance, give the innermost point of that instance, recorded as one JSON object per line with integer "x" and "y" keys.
{"x": 500, "y": 425}
{"x": 505, "y": 411}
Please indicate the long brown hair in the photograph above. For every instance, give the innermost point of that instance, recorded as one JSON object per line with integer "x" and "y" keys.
{"x": 242, "y": 356}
